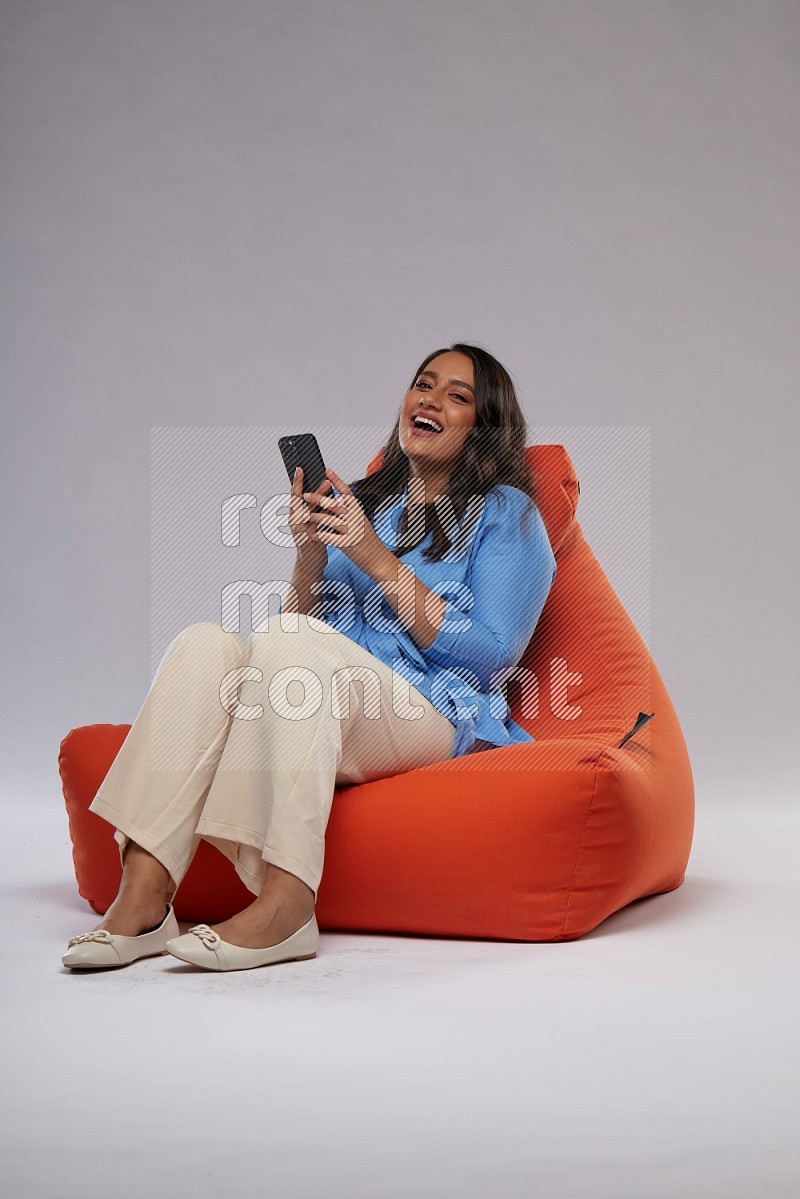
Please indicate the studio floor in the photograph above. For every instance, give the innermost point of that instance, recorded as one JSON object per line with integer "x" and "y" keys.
{"x": 654, "y": 1058}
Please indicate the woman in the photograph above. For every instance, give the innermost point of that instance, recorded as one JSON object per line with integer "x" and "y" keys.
{"x": 414, "y": 593}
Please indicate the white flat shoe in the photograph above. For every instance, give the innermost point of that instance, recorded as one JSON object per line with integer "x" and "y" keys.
{"x": 101, "y": 949}
{"x": 201, "y": 946}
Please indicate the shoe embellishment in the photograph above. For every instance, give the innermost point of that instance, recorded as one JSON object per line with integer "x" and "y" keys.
{"x": 99, "y": 934}
{"x": 206, "y": 935}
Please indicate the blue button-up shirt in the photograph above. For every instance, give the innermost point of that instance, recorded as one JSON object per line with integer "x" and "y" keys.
{"x": 495, "y": 578}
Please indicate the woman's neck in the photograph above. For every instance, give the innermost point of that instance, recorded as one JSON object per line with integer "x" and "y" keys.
{"x": 422, "y": 489}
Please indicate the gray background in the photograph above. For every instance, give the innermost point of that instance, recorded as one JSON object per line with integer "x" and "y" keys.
{"x": 254, "y": 215}
{"x": 260, "y": 214}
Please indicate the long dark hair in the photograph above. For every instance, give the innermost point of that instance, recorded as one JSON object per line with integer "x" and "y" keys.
{"x": 493, "y": 452}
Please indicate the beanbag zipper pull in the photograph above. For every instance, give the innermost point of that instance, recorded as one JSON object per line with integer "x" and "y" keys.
{"x": 641, "y": 719}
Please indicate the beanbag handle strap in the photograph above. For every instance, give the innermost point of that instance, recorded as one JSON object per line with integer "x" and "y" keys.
{"x": 641, "y": 719}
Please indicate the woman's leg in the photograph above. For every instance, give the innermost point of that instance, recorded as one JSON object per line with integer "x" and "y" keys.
{"x": 255, "y": 775}
{"x": 154, "y": 790}
{"x": 145, "y": 890}
{"x": 330, "y": 713}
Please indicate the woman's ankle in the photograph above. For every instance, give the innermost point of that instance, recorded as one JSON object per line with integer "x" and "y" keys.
{"x": 142, "y": 871}
{"x": 283, "y": 887}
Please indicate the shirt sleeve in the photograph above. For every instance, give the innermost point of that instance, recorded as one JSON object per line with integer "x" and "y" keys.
{"x": 492, "y": 615}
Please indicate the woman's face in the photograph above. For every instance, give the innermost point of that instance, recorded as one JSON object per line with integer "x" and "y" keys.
{"x": 444, "y": 392}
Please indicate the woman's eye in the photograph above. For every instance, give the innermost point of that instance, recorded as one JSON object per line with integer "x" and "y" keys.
{"x": 460, "y": 397}
{"x": 422, "y": 383}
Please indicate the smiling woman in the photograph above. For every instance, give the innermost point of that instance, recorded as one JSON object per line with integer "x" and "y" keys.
{"x": 441, "y": 609}
{"x": 471, "y": 396}
{"x": 463, "y": 562}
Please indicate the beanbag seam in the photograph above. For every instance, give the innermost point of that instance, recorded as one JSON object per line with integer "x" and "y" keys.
{"x": 600, "y": 754}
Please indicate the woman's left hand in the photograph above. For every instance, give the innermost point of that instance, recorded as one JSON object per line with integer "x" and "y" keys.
{"x": 348, "y": 527}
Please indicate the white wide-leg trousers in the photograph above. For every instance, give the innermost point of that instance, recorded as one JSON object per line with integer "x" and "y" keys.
{"x": 242, "y": 740}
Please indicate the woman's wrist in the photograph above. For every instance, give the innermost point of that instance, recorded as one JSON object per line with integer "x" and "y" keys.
{"x": 303, "y": 592}
{"x": 382, "y": 567}
{"x": 310, "y": 558}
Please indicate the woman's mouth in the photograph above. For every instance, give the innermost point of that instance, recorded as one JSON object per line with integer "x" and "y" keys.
{"x": 424, "y": 426}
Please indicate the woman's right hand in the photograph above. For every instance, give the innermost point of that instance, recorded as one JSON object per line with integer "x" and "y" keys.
{"x": 304, "y": 531}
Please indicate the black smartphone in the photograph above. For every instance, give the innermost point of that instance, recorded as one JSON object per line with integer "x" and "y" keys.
{"x": 301, "y": 449}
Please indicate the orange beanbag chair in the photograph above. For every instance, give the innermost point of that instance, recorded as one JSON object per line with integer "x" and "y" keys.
{"x": 530, "y": 842}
